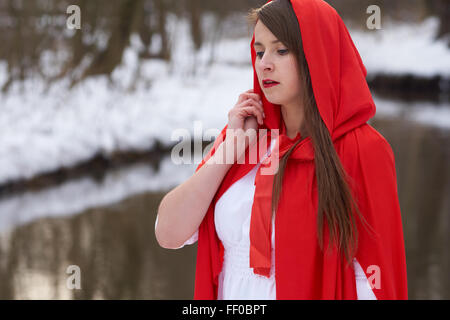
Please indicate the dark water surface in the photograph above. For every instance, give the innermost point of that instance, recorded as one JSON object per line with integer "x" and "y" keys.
{"x": 115, "y": 247}
{"x": 423, "y": 173}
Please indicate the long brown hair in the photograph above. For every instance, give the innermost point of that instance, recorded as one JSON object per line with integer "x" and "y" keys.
{"x": 335, "y": 197}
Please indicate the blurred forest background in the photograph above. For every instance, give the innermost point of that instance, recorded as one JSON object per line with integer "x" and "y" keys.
{"x": 31, "y": 28}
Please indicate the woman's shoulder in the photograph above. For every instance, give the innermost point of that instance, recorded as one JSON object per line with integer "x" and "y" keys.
{"x": 366, "y": 144}
{"x": 364, "y": 138}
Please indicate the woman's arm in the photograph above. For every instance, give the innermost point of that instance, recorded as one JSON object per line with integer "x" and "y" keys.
{"x": 182, "y": 210}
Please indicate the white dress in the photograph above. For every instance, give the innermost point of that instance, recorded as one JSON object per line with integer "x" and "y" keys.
{"x": 232, "y": 220}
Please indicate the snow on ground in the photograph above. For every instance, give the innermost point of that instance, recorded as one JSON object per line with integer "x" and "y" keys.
{"x": 400, "y": 48}
{"x": 430, "y": 114}
{"x": 41, "y": 131}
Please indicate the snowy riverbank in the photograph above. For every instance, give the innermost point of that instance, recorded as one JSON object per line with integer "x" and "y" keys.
{"x": 42, "y": 131}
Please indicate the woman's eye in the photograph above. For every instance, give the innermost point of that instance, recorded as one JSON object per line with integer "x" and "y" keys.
{"x": 261, "y": 53}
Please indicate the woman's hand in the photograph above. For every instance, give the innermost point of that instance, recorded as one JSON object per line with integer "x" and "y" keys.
{"x": 243, "y": 120}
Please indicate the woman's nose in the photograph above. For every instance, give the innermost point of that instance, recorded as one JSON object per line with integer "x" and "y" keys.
{"x": 266, "y": 64}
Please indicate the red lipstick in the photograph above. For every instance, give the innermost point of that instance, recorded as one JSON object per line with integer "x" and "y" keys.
{"x": 267, "y": 83}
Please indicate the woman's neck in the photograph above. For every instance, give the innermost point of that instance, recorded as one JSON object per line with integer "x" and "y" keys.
{"x": 293, "y": 117}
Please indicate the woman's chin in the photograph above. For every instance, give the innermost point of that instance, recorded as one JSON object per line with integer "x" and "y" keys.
{"x": 273, "y": 97}
{"x": 274, "y": 100}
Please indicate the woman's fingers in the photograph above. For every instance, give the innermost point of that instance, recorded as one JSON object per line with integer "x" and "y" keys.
{"x": 253, "y": 96}
{"x": 243, "y": 110}
{"x": 252, "y": 110}
{"x": 249, "y": 95}
{"x": 254, "y": 103}
{"x": 247, "y": 99}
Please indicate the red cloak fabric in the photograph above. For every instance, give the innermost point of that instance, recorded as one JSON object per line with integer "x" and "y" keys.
{"x": 302, "y": 269}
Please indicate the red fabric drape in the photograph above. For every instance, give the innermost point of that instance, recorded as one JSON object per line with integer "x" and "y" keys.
{"x": 302, "y": 269}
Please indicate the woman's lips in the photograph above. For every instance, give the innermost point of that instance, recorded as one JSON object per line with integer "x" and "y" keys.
{"x": 268, "y": 85}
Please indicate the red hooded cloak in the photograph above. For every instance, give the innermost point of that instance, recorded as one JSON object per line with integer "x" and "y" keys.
{"x": 302, "y": 269}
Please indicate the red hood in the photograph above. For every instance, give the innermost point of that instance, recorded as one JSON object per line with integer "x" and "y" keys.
{"x": 303, "y": 270}
{"x": 337, "y": 72}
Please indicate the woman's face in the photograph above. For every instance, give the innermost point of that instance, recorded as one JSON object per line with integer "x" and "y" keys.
{"x": 275, "y": 62}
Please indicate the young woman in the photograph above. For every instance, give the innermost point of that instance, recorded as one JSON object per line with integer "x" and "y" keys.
{"x": 327, "y": 223}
